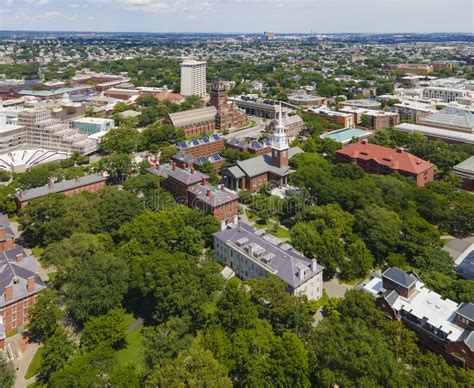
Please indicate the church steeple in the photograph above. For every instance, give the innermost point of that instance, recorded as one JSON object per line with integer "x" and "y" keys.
{"x": 279, "y": 143}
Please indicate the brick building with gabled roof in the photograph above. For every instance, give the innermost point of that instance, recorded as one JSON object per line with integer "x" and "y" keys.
{"x": 376, "y": 159}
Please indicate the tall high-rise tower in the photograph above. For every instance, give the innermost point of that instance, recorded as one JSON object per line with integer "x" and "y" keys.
{"x": 193, "y": 78}
{"x": 279, "y": 143}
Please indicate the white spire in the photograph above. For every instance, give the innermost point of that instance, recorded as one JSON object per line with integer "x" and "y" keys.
{"x": 279, "y": 139}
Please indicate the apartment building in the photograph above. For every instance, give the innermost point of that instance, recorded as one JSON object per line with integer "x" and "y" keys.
{"x": 19, "y": 284}
{"x": 252, "y": 254}
{"x": 409, "y": 68}
{"x": 90, "y": 125}
{"x": 442, "y": 326}
{"x": 203, "y": 146}
{"x": 375, "y": 159}
{"x": 193, "y": 78}
{"x": 346, "y": 120}
{"x": 445, "y": 94}
{"x": 377, "y": 119}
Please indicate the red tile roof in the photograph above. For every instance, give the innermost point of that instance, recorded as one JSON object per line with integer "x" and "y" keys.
{"x": 394, "y": 159}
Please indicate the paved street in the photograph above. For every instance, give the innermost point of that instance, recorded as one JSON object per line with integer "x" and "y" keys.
{"x": 335, "y": 289}
{"x": 248, "y": 132}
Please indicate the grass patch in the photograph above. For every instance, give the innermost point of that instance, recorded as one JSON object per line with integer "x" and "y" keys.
{"x": 251, "y": 215}
{"x": 260, "y": 225}
{"x": 235, "y": 281}
{"x": 134, "y": 352}
{"x": 37, "y": 252}
{"x": 34, "y": 364}
{"x": 279, "y": 232}
{"x": 321, "y": 302}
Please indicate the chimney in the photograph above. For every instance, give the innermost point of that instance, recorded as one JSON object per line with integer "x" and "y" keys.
{"x": 30, "y": 284}
{"x": 19, "y": 258}
{"x": 400, "y": 150}
{"x": 301, "y": 273}
{"x": 8, "y": 293}
{"x": 314, "y": 265}
{"x": 3, "y": 232}
{"x": 222, "y": 187}
{"x": 173, "y": 166}
{"x": 50, "y": 184}
{"x": 204, "y": 181}
{"x": 78, "y": 178}
{"x": 185, "y": 165}
{"x": 193, "y": 171}
{"x": 209, "y": 193}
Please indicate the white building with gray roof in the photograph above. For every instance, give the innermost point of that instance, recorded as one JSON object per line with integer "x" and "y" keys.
{"x": 252, "y": 253}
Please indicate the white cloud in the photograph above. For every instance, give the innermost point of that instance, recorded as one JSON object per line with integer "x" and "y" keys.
{"x": 166, "y": 6}
{"x": 91, "y": 18}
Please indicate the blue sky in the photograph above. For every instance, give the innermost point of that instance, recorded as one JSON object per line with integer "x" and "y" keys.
{"x": 239, "y": 15}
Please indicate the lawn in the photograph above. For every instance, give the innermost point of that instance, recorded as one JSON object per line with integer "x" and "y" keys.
{"x": 321, "y": 302}
{"x": 34, "y": 364}
{"x": 134, "y": 351}
{"x": 279, "y": 232}
{"x": 251, "y": 215}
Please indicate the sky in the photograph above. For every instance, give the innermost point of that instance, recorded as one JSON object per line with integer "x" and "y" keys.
{"x": 281, "y": 16}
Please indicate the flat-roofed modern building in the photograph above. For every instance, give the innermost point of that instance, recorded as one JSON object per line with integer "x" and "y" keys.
{"x": 442, "y": 326}
{"x": 445, "y": 94}
{"x": 345, "y": 120}
{"x": 90, "y": 125}
{"x": 252, "y": 254}
{"x": 193, "y": 78}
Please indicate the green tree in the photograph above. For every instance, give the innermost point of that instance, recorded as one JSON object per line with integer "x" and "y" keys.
{"x": 45, "y": 315}
{"x": 121, "y": 140}
{"x": 105, "y": 330}
{"x": 195, "y": 367}
{"x": 56, "y": 352}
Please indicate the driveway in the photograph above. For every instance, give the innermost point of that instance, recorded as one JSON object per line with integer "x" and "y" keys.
{"x": 335, "y": 289}
{"x": 254, "y": 131}
{"x": 26, "y": 351}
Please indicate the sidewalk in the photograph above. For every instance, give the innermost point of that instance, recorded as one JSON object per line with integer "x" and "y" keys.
{"x": 26, "y": 352}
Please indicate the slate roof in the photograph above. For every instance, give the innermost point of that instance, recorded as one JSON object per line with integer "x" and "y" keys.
{"x": 391, "y": 296}
{"x": 216, "y": 196}
{"x": 186, "y": 176}
{"x": 193, "y": 116}
{"x": 466, "y": 267}
{"x": 393, "y": 159}
{"x": 468, "y": 338}
{"x": 400, "y": 277}
{"x": 285, "y": 261}
{"x": 260, "y": 165}
{"x": 59, "y": 187}
{"x": 466, "y": 310}
{"x": 467, "y": 166}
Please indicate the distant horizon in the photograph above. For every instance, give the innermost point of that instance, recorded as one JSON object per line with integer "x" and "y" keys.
{"x": 234, "y": 16}
{"x": 245, "y": 32}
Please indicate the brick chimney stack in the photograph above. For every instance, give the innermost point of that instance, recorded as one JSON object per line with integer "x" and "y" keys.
{"x": 30, "y": 284}
{"x": 8, "y": 292}
{"x": 19, "y": 258}
{"x": 193, "y": 171}
{"x": 209, "y": 193}
{"x": 173, "y": 166}
{"x": 3, "y": 232}
{"x": 204, "y": 181}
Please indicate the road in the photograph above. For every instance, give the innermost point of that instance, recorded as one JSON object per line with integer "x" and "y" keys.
{"x": 248, "y": 132}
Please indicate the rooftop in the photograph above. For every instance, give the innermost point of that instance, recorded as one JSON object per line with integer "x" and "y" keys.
{"x": 451, "y": 117}
{"x": 193, "y": 116}
{"x": 59, "y": 187}
{"x": 188, "y": 176}
{"x": 400, "y": 277}
{"x": 394, "y": 159}
{"x": 345, "y": 135}
{"x": 282, "y": 259}
{"x": 439, "y": 133}
{"x": 196, "y": 142}
{"x": 212, "y": 196}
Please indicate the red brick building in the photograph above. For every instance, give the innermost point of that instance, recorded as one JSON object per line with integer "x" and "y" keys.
{"x": 375, "y": 159}
{"x": 19, "y": 285}
{"x": 227, "y": 116}
{"x": 205, "y": 146}
{"x": 442, "y": 326}
{"x": 191, "y": 188}
{"x": 293, "y": 125}
{"x": 90, "y": 183}
{"x": 194, "y": 121}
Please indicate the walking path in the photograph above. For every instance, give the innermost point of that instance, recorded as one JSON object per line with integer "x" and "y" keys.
{"x": 26, "y": 351}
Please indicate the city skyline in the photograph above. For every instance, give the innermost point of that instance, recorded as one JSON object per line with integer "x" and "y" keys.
{"x": 239, "y": 16}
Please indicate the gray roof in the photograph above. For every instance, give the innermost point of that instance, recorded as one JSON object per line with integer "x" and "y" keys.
{"x": 465, "y": 268}
{"x": 457, "y": 247}
{"x": 466, "y": 310}
{"x": 193, "y": 116}
{"x": 285, "y": 260}
{"x": 216, "y": 196}
{"x": 187, "y": 176}
{"x": 260, "y": 165}
{"x": 467, "y": 166}
{"x": 469, "y": 339}
{"x": 400, "y": 277}
{"x": 16, "y": 273}
{"x": 451, "y": 117}
{"x": 59, "y": 187}
{"x": 391, "y": 296}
